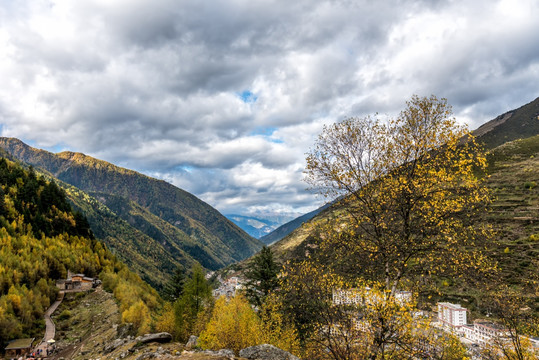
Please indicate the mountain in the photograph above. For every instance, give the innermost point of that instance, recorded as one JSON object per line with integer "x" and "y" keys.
{"x": 290, "y": 226}
{"x": 256, "y": 227}
{"x": 149, "y": 223}
{"x": 520, "y": 123}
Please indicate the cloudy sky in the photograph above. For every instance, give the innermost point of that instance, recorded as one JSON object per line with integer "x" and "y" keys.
{"x": 223, "y": 98}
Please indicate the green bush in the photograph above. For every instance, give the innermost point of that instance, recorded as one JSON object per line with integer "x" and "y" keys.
{"x": 66, "y": 314}
{"x": 530, "y": 185}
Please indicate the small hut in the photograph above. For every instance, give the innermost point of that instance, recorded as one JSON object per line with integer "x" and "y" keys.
{"x": 76, "y": 282}
{"x": 19, "y": 347}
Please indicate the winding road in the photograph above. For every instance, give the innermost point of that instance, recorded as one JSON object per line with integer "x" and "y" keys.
{"x": 50, "y": 328}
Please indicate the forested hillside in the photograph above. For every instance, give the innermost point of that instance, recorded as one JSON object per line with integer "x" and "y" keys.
{"x": 41, "y": 238}
{"x": 140, "y": 216}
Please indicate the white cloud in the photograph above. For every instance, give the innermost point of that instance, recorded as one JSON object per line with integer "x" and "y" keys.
{"x": 154, "y": 85}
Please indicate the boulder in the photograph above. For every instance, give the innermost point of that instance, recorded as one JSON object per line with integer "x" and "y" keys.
{"x": 124, "y": 330}
{"x": 266, "y": 352}
{"x": 192, "y": 343}
{"x": 113, "y": 346}
{"x": 163, "y": 337}
{"x": 223, "y": 352}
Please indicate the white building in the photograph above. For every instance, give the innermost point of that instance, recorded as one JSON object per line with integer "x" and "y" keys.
{"x": 347, "y": 297}
{"x": 357, "y": 296}
{"x": 452, "y": 316}
{"x": 482, "y": 332}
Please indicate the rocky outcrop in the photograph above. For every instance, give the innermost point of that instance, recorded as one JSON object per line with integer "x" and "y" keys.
{"x": 223, "y": 352}
{"x": 266, "y": 352}
{"x": 114, "y": 345}
{"x": 192, "y": 343}
{"x": 163, "y": 337}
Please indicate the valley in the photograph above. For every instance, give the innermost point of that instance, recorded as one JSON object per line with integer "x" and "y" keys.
{"x": 81, "y": 214}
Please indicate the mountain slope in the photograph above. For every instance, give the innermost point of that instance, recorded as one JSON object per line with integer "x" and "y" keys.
{"x": 139, "y": 251}
{"x": 176, "y": 221}
{"x": 290, "y": 226}
{"x": 520, "y": 123}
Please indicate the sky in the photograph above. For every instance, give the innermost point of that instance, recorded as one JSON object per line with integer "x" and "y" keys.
{"x": 224, "y": 98}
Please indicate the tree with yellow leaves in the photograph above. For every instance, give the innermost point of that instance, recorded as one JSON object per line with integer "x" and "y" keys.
{"x": 138, "y": 315}
{"x": 233, "y": 325}
{"x": 408, "y": 190}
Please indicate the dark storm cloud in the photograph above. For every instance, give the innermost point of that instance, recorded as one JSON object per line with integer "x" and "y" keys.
{"x": 157, "y": 85}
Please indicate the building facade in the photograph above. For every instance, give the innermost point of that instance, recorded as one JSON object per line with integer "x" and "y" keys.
{"x": 452, "y": 316}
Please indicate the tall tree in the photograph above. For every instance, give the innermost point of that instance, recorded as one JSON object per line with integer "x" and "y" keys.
{"x": 194, "y": 300}
{"x": 409, "y": 188}
{"x": 173, "y": 289}
{"x": 261, "y": 276}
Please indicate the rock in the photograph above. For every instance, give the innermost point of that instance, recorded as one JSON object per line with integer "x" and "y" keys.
{"x": 113, "y": 346}
{"x": 223, "y": 352}
{"x": 163, "y": 337}
{"x": 149, "y": 355}
{"x": 192, "y": 343}
{"x": 124, "y": 330}
{"x": 266, "y": 352}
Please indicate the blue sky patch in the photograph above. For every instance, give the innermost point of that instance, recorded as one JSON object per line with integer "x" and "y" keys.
{"x": 266, "y": 132}
{"x": 247, "y": 97}
{"x": 186, "y": 168}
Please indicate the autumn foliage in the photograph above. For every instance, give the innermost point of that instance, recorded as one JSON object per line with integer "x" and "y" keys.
{"x": 41, "y": 237}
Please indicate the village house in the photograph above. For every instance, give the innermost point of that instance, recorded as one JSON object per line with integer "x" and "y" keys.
{"x": 483, "y": 332}
{"x": 76, "y": 282}
{"x": 228, "y": 287}
{"x": 18, "y": 348}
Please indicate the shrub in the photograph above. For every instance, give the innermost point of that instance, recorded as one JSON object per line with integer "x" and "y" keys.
{"x": 233, "y": 325}
{"x": 66, "y": 314}
{"x": 530, "y": 185}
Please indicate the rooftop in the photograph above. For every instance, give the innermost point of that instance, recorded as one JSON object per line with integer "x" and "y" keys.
{"x": 451, "y": 305}
{"x": 20, "y": 344}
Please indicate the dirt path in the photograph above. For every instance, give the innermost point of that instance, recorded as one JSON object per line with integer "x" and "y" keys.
{"x": 50, "y": 328}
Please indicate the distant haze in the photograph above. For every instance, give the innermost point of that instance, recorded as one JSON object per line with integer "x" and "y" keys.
{"x": 223, "y": 98}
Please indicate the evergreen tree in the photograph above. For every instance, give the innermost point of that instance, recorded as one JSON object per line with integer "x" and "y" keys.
{"x": 261, "y": 276}
{"x": 195, "y": 298}
{"x": 173, "y": 289}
